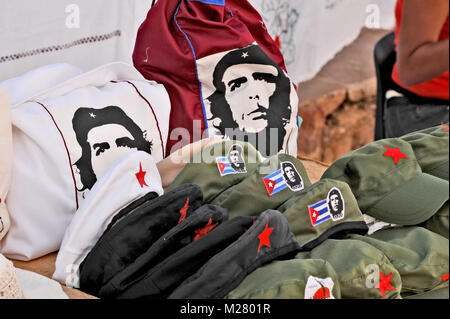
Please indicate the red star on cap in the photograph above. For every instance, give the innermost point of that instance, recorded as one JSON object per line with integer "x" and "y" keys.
{"x": 141, "y": 176}
{"x": 447, "y": 128}
{"x": 204, "y": 230}
{"x": 396, "y": 154}
{"x": 444, "y": 278}
{"x": 183, "y": 211}
{"x": 385, "y": 284}
{"x": 264, "y": 237}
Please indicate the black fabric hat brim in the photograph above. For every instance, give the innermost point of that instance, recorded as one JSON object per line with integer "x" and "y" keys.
{"x": 226, "y": 270}
{"x": 174, "y": 240}
{"x": 132, "y": 232}
{"x": 162, "y": 279}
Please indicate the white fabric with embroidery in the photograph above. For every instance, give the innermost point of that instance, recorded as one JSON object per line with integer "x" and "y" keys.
{"x": 84, "y": 33}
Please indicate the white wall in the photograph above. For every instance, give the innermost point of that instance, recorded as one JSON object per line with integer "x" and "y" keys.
{"x": 313, "y": 31}
{"x": 81, "y": 32}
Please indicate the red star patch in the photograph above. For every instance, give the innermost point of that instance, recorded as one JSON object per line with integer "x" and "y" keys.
{"x": 264, "y": 237}
{"x": 444, "y": 278}
{"x": 204, "y": 230}
{"x": 183, "y": 211}
{"x": 141, "y": 176}
{"x": 385, "y": 284}
{"x": 447, "y": 128}
{"x": 396, "y": 154}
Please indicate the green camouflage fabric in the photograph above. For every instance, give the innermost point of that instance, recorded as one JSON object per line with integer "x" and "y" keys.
{"x": 363, "y": 271}
{"x": 420, "y": 256}
{"x": 322, "y": 210}
{"x": 431, "y": 147}
{"x": 269, "y": 185}
{"x": 389, "y": 184}
{"x": 290, "y": 279}
{"x": 204, "y": 168}
{"x": 439, "y": 222}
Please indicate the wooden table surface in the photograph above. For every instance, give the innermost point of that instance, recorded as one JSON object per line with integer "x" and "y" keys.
{"x": 45, "y": 266}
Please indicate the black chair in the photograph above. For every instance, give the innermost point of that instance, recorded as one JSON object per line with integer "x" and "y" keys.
{"x": 385, "y": 57}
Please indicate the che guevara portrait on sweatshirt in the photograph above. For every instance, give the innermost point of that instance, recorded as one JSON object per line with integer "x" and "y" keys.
{"x": 248, "y": 97}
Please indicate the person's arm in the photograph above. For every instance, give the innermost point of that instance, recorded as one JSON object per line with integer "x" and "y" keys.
{"x": 421, "y": 56}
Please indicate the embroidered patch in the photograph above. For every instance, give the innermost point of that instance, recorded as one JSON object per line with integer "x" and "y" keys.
{"x": 319, "y": 213}
{"x": 264, "y": 236}
{"x": 395, "y": 153}
{"x": 336, "y": 204}
{"x": 183, "y": 211}
{"x": 199, "y": 233}
{"x": 286, "y": 177}
{"x": 233, "y": 163}
{"x": 385, "y": 284}
{"x": 293, "y": 179}
{"x": 317, "y": 288}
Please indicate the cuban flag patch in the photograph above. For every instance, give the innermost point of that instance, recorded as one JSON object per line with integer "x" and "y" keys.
{"x": 233, "y": 163}
{"x": 275, "y": 183}
{"x": 319, "y": 213}
{"x": 225, "y": 167}
{"x": 286, "y": 177}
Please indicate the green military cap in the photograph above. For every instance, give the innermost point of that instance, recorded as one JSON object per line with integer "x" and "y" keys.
{"x": 364, "y": 272}
{"x": 441, "y": 293}
{"x": 290, "y": 279}
{"x": 218, "y": 166}
{"x": 325, "y": 209}
{"x": 431, "y": 148}
{"x": 389, "y": 184}
{"x": 420, "y": 256}
{"x": 439, "y": 222}
{"x": 268, "y": 186}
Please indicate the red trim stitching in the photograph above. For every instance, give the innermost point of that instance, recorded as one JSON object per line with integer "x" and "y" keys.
{"x": 67, "y": 150}
{"x": 96, "y": 38}
{"x": 154, "y": 114}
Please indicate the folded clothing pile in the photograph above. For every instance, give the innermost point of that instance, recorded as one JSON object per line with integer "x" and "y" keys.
{"x": 72, "y": 127}
{"x": 158, "y": 242}
{"x": 234, "y": 225}
{"x": 374, "y": 226}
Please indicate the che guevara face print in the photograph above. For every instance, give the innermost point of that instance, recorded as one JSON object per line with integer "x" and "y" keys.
{"x": 104, "y": 135}
{"x": 235, "y": 158}
{"x": 249, "y": 98}
{"x": 291, "y": 176}
{"x": 336, "y": 204}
